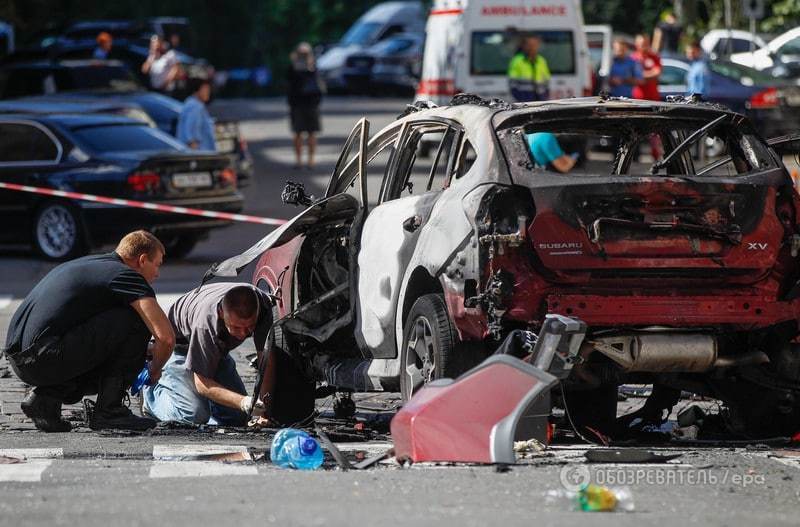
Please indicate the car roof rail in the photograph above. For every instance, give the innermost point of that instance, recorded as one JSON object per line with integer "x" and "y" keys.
{"x": 471, "y": 98}
{"x": 417, "y": 106}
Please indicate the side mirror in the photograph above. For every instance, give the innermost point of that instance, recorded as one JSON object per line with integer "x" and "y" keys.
{"x": 295, "y": 194}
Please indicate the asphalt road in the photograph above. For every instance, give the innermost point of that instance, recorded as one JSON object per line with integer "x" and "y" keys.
{"x": 87, "y": 478}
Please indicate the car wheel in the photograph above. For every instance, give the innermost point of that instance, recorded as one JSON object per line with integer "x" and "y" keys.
{"x": 58, "y": 232}
{"x": 429, "y": 345}
{"x": 180, "y": 246}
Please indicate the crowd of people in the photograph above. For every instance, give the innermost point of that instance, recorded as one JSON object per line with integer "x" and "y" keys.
{"x": 195, "y": 126}
{"x": 632, "y": 75}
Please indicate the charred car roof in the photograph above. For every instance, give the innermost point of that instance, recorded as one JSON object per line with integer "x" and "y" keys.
{"x": 466, "y": 107}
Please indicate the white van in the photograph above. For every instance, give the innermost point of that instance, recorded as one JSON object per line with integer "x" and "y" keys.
{"x": 469, "y": 44}
{"x": 381, "y": 22}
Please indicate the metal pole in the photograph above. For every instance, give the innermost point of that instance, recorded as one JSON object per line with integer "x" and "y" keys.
{"x": 728, "y": 26}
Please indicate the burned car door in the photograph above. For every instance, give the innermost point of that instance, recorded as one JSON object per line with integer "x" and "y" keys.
{"x": 390, "y": 233}
{"x": 334, "y": 207}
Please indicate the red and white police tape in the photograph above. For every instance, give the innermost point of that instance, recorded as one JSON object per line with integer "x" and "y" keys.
{"x": 142, "y": 205}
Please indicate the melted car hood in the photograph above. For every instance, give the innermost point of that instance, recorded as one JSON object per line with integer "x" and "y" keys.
{"x": 336, "y": 207}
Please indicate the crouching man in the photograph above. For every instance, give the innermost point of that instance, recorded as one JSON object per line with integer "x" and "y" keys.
{"x": 200, "y": 383}
{"x": 84, "y": 329}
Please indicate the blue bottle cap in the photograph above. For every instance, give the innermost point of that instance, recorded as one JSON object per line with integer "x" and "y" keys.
{"x": 308, "y": 446}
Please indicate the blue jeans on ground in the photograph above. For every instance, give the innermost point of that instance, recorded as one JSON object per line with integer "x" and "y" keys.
{"x": 175, "y": 398}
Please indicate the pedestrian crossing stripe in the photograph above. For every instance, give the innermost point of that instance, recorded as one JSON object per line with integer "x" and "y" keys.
{"x": 187, "y": 461}
{"x": 34, "y": 462}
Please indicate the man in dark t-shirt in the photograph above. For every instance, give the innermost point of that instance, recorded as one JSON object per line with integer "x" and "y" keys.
{"x": 85, "y": 328}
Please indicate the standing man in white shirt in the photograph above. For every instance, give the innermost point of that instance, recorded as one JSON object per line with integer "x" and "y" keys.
{"x": 161, "y": 65}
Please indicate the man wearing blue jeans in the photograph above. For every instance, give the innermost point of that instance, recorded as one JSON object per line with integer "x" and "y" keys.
{"x": 199, "y": 384}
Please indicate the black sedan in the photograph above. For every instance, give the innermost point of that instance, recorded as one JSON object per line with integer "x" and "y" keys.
{"x": 109, "y": 156}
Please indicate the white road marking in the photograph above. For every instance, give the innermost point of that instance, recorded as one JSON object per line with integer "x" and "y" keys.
{"x": 28, "y": 471}
{"x": 168, "y": 463}
{"x": 35, "y": 462}
{"x": 5, "y": 301}
{"x": 790, "y": 459}
{"x": 369, "y": 448}
{"x": 33, "y": 453}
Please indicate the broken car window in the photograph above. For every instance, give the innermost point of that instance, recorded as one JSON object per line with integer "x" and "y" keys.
{"x": 380, "y": 147}
{"x": 467, "y": 158}
{"x": 424, "y": 161}
{"x": 633, "y": 144}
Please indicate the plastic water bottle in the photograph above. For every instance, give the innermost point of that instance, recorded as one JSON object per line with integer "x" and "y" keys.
{"x": 292, "y": 448}
{"x": 593, "y": 498}
{"x": 141, "y": 380}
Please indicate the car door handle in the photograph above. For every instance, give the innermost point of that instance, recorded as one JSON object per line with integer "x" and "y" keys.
{"x": 411, "y": 224}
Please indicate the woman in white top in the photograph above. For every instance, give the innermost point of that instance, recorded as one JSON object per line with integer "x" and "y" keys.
{"x": 162, "y": 65}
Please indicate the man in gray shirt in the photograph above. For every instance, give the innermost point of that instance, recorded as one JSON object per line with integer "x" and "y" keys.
{"x": 199, "y": 384}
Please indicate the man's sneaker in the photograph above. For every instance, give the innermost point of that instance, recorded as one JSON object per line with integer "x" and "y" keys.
{"x": 45, "y": 412}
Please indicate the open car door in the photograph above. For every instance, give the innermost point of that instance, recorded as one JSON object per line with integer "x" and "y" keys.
{"x": 336, "y": 204}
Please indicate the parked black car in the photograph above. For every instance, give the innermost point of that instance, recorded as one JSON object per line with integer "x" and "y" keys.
{"x": 393, "y": 64}
{"x": 92, "y": 81}
{"x": 771, "y": 104}
{"x": 109, "y": 156}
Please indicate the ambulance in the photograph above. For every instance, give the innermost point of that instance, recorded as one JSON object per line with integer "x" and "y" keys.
{"x": 469, "y": 44}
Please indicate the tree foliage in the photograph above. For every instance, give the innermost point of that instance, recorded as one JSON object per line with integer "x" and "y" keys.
{"x": 229, "y": 33}
{"x": 244, "y": 33}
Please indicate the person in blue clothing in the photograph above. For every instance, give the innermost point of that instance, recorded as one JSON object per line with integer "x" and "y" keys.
{"x": 195, "y": 127}
{"x": 697, "y": 79}
{"x": 104, "y": 43}
{"x": 625, "y": 71}
{"x": 548, "y": 153}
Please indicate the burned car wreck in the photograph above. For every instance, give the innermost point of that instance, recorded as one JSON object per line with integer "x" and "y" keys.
{"x": 684, "y": 270}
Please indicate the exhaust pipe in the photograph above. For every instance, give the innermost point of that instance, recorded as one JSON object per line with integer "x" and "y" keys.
{"x": 671, "y": 352}
{"x": 660, "y": 352}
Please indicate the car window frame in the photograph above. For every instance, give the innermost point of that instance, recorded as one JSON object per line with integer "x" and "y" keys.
{"x": 48, "y": 133}
{"x": 390, "y": 180}
{"x": 382, "y": 139}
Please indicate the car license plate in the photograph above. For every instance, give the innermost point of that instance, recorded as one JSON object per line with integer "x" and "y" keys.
{"x": 225, "y": 145}
{"x": 191, "y": 179}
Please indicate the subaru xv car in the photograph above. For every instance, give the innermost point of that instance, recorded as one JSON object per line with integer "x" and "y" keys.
{"x": 685, "y": 271}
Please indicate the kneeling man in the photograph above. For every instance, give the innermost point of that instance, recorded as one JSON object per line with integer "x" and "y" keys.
{"x": 199, "y": 383}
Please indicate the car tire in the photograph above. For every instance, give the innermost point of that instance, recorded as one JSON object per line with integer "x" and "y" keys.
{"x": 58, "y": 232}
{"x": 429, "y": 345}
{"x": 276, "y": 336}
{"x": 180, "y": 246}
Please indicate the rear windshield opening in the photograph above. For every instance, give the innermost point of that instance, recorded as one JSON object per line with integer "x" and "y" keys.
{"x": 605, "y": 146}
{"x": 491, "y": 51}
{"x": 126, "y": 138}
